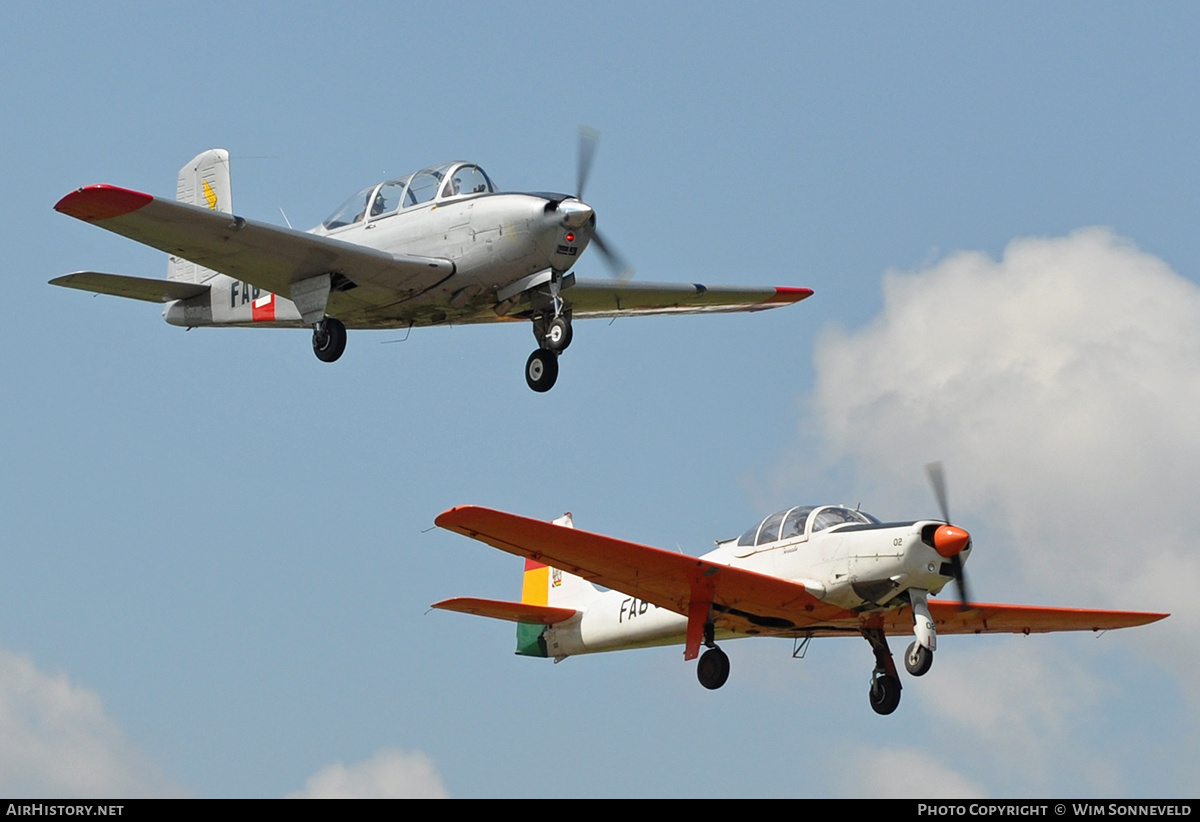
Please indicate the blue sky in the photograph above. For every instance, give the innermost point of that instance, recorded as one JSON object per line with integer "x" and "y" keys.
{"x": 218, "y": 555}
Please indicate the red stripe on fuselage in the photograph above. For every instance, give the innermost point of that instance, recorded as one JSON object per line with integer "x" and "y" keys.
{"x": 263, "y": 309}
{"x": 93, "y": 203}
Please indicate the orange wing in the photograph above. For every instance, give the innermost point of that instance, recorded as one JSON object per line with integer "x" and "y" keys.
{"x": 985, "y": 618}
{"x": 741, "y": 600}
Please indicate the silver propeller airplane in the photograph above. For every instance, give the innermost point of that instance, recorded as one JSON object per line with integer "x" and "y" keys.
{"x": 438, "y": 247}
{"x": 804, "y": 572}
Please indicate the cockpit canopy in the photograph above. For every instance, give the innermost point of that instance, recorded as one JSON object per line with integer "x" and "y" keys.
{"x": 792, "y": 523}
{"x": 442, "y": 182}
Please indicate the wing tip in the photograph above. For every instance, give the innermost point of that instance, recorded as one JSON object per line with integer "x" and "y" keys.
{"x": 101, "y": 202}
{"x": 453, "y": 517}
{"x": 789, "y": 294}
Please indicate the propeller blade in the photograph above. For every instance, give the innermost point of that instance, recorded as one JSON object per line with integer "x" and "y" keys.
{"x": 588, "y": 139}
{"x": 620, "y": 269}
{"x": 937, "y": 478}
{"x": 961, "y": 580}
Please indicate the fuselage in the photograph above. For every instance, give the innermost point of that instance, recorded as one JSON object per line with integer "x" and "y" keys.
{"x": 494, "y": 241}
{"x": 842, "y": 557}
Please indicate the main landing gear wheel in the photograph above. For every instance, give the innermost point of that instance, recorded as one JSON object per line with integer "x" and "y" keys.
{"x": 558, "y": 335}
{"x": 541, "y": 370}
{"x": 329, "y": 339}
{"x": 885, "y": 694}
{"x": 713, "y": 668}
{"x": 918, "y": 659}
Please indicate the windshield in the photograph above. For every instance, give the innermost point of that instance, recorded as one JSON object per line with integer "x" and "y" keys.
{"x": 351, "y": 211}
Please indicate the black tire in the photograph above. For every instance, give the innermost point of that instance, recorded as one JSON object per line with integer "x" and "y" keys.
{"x": 885, "y": 694}
{"x": 558, "y": 335}
{"x": 541, "y": 370}
{"x": 918, "y": 659}
{"x": 713, "y": 668}
{"x": 330, "y": 340}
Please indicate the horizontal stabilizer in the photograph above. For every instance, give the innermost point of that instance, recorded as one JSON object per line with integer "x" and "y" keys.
{"x": 134, "y": 288}
{"x": 267, "y": 256}
{"x": 510, "y": 611}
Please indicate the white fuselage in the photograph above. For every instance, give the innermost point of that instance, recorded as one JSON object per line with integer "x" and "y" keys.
{"x": 858, "y": 568}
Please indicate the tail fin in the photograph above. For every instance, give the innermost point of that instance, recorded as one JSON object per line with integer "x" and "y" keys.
{"x": 544, "y": 585}
{"x": 203, "y": 181}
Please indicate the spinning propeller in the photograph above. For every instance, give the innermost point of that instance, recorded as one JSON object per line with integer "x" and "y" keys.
{"x": 589, "y": 138}
{"x": 949, "y": 540}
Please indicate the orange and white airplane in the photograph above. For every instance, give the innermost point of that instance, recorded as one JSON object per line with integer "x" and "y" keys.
{"x": 442, "y": 246}
{"x": 804, "y": 572}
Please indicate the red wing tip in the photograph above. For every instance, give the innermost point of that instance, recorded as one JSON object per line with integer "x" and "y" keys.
{"x": 787, "y": 294}
{"x": 454, "y": 516}
{"x": 102, "y": 202}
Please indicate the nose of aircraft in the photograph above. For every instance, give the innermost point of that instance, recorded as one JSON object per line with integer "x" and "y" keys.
{"x": 950, "y": 540}
{"x": 574, "y": 212}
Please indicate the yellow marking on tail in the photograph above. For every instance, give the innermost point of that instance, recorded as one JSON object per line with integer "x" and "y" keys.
{"x": 534, "y": 588}
{"x": 210, "y": 195}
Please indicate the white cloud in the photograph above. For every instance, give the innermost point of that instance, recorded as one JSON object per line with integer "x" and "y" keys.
{"x": 1017, "y": 706}
{"x": 389, "y": 774}
{"x": 903, "y": 773}
{"x": 1060, "y": 385}
{"x": 57, "y": 741}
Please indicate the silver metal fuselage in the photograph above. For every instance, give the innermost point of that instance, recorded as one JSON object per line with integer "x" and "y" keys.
{"x": 494, "y": 240}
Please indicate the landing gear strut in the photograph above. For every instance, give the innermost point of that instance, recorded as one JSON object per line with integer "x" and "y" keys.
{"x": 329, "y": 339}
{"x": 885, "y": 683}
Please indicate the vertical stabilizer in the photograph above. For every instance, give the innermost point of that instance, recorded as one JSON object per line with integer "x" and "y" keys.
{"x": 544, "y": 585}
{"x": 203, "y": 181}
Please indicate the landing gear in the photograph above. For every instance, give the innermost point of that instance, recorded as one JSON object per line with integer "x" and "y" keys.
{"x": 713, "y": 668}
{"x": 885, "y": 683}
{"x": 918, "y": 659}
{"x": 558, "y": 334}
{"x": 885, "y": 694}
{"x": 541, "y": 370}
{"x": 553, "y": 334}
{"x": 329, "y": 339}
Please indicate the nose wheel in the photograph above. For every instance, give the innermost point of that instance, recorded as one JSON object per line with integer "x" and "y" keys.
{"x": 558, "y": 335}
{"x": 918, "y": 659}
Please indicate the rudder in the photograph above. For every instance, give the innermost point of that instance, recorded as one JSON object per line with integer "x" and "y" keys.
{"x": 545, "y": 585}
{"x": 203, "y": 181}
